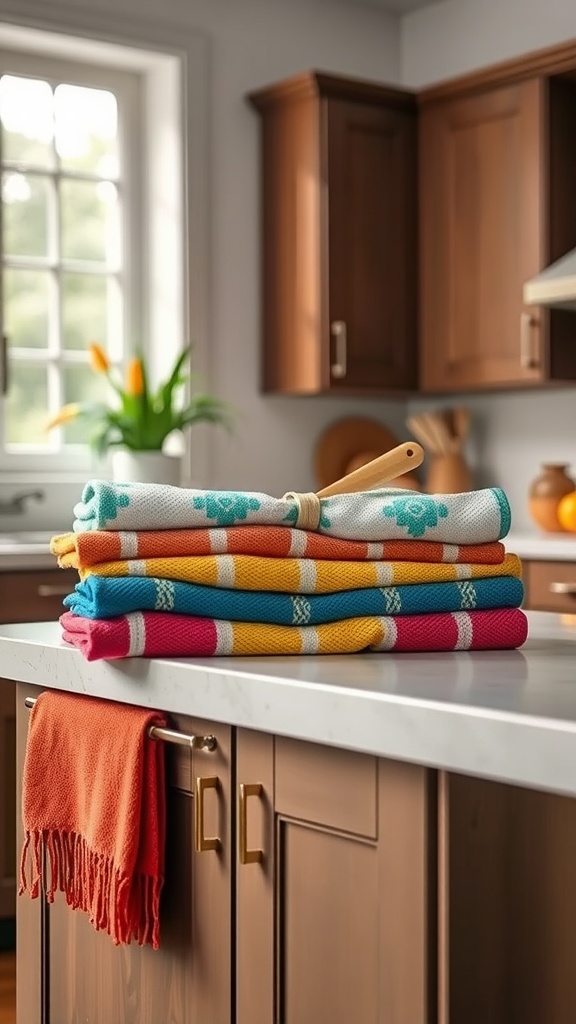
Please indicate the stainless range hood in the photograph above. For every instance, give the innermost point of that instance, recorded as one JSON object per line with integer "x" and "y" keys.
{"x": 555, "y": 286}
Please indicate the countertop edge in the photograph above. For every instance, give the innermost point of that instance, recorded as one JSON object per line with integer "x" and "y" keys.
{"x": 525, "y": 750}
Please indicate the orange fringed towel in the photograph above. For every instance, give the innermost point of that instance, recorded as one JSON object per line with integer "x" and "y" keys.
{"x": 93, "y": 801}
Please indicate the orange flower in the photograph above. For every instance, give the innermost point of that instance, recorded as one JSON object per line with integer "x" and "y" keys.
{"x": 65, "y": 415}
{"x": 134, "y": 378}
{"x": 98, "y": 359}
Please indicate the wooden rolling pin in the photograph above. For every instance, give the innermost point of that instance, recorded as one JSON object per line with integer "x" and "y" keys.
{"x": 377, "y": 473}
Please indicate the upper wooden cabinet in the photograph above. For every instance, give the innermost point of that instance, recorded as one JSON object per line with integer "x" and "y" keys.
{"x": 339, "y": 253}
{"x": 497, "y": 172}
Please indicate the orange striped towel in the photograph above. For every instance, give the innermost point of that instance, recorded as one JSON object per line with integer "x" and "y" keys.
{"x": 80, "y": 550}
{"x": 102, "y": 831}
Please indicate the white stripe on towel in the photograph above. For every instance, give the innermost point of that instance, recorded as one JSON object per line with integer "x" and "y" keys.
{"x": 137, "y": 630}
{"x": 465, "y": 631}
{"x": 218, "y": 542}
{"x": 225, "y": 571}
{"x": 128, "y": 543}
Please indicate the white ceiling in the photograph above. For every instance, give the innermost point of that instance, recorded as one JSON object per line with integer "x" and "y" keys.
{"x": 395, "y": 6}
{"x": 403, "y": 6}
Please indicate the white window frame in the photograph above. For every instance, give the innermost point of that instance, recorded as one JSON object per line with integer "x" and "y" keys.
{"x": 127, "y": 86}
{"x": 174, "y": 63}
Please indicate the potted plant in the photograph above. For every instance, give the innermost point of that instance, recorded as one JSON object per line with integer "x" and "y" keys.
{"x": 138, "y": 424}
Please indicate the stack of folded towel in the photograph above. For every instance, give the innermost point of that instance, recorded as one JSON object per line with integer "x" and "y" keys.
{"x": 166, "y": 571}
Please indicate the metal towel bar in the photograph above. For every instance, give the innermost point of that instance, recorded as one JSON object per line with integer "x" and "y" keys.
{"x": 168, "y": 735}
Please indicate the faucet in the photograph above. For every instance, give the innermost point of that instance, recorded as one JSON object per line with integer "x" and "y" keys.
{"x": 16, "y": 506}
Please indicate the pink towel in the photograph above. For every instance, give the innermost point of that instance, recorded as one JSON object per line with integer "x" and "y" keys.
{"x": 158, "y": 634}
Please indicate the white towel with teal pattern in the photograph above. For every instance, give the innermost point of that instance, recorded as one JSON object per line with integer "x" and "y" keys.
{"x": 473, "y": 517}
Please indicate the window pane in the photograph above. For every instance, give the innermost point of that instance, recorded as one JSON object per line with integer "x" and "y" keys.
{"x": 88, "y": 310}
{"x": 86, "y": 130}
{"x": 27, "y": 120}
{"x": 89, "y": 219}
{"x": 26, "y": 298}
{"x": 27, "y": 405}
{"x": 25, "y": 214}
{"x": 81, "y": 384}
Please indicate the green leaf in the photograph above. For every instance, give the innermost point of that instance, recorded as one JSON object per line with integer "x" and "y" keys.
{"x": 165, "y": 391}
{"x": 143, "y": 422}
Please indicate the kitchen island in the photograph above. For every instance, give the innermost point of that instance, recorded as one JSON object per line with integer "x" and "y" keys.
{"x": 396, "y": 837}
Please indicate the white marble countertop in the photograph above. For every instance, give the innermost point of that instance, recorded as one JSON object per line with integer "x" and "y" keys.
{"x": 553, "y": 547}
{"x": 26, "y": 550}
{"x": 503, "y": 715}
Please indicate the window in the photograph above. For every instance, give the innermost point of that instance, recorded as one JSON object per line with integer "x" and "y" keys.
{"x": 70, "y": 260}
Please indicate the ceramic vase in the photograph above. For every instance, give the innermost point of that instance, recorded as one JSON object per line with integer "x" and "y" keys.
{"x": 545, "y": 493}
{"x": 146, "y": 467}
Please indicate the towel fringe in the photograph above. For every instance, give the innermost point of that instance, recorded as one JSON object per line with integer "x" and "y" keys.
{"x": 125, "y": 908}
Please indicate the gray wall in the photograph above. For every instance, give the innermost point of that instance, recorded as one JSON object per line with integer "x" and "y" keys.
{"x": 251, "y": 43}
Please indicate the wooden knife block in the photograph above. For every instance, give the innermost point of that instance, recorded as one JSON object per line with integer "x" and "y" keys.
{"x": 448, "y": 474}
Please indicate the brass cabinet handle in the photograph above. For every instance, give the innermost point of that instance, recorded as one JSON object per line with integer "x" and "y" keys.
{"x": 563, "y": 588}
{"x": 529, "y": 355}
{"x": 245, "y": 855}
{"x": 339, "y": 367}
{"x": 202, "y": 842}
{"x": 50, "y": 590}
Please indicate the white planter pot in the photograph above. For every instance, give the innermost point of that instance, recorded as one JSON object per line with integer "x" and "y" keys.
{"x": 146, "y": 467}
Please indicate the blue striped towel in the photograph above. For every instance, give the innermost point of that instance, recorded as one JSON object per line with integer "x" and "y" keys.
{"x": 102, "y": 597}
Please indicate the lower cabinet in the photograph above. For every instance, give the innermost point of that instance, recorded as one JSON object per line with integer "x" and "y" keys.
{"x": 317, "y": 912}
{"x": 507, "y": 904}
{"x": 7, "y": 799}
{"x": 549, "y": 586}
{"x": 70, "y": 974}
{"x": 310, "y": 885}
{"x": 33, "y": 596}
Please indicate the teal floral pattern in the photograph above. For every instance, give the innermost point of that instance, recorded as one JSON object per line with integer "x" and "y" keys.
{"x": 417, "y": 513}
{"x": 291, "y": 516}
{"x": 110, "y": 501}
{"x": 226, "y": 507}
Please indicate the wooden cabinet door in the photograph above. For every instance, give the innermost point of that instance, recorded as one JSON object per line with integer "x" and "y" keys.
{"x": 332, "y": 886}
{"x": 482, "y": 236}
{"x": 80, "y": 977}
{"x": 24, "y": 597}
{"x": 339, "y": 261}
{"x": 507, "y": 909}
{"x": 7, "y": 798}
{"x": 371, "y": 230}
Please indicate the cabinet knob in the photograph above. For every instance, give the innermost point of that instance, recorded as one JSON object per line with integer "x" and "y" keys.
{"x": 202, "y": 842}
{"x": 52, "y": 590}
{"x": 563, "y": 588}
{"x": 338, "y": 368}
{"x": 245, "y": 855}
{"x": 529, "y": 342}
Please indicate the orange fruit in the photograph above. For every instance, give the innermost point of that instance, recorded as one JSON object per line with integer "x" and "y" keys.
{"x": 566, "y": 512}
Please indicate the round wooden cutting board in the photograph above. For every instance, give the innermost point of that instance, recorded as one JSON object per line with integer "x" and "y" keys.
{"x": 349, "y": 443}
